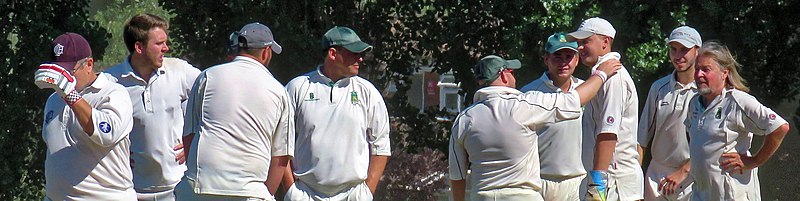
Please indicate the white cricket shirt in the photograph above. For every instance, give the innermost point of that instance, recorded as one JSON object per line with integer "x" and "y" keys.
{"x": 241, "y": 117}
{"x": 726, "y": 125}
{"x": 339, "y": 126}
{"x": 80, "y": 167}
{"x": 158, "y": 108}
{"x": 662, "y": 121}
{"x": 496, "y": 137}
{"x": 615, "y": 109}
{"x": 559, "y": 143}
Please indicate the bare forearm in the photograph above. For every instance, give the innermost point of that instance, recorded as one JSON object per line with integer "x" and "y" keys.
{"x": 771, "y": 144}
{"x": 277, "y": 167}
{"x": 604, "y": 150}
{"x": 288, "y": 177}
{"x": 458, "y": 188}
{"x": 589, "y": 88}
{"x": 83, "y": 112}
{"x": 376, "y": 166}
{"x": 640, "y": 149}
{"x": 187, "y": 143}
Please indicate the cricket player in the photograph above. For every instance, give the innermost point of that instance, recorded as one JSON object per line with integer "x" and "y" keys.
{"x": 721, "y": 125}
{"x": 495, "y": 138}
{"x": 239, "y": 127}
{"x": 158, "y": 88}
{"x": 86, "y": 126}
{"x": 609, "y": 121}
{"x": 342, "y": 125}
{"x": 559, "y": 143}
{"x": 661, "y": 129}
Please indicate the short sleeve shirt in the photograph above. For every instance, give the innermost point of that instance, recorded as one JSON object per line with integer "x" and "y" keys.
{"x": 158, "y": 108}
{"x": 615, "y": 109}
{"x": 241, "y": 117}
{"x": 559, "y": 143}
{"x": 80, "y": 167}
{"x": 662, "y": 121}
{"x": 495, "y": 138}
{"x": 339, "y": 125}
{"x": 726, "y": 125}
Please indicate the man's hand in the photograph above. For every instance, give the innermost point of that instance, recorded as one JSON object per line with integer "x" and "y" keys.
{"x": 181, "y": 157}
{"x": 735, "y": 162}
{"x": 670, "y": 184}
{"x": 598, "y": 182}
{"x": 53, "y": 76}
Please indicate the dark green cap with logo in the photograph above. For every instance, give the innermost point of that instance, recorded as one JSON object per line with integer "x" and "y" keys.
{"x": 344, "y": 37}
{"x": 559, "y": 41}
{"x": 489, "y": 67}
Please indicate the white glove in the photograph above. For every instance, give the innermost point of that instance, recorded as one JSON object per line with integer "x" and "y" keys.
{"x": 56, "y": 77}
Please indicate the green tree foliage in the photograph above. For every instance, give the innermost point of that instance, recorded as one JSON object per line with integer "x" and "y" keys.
{"x": 112, "y": 15}
{"x": 447, "y": 35}
{"x": 33, "y": 25}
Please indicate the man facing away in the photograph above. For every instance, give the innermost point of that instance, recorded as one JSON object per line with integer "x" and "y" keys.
{"x": 661, "y": 127}
{"x": 342, "y": 125}
{"x": 559, "y": 143}
{"x": 495, "y": 138}
{"x": 158, "y": 88}
{"x": 609, "y": 121}
{"x": 239, "y": 130}
{"x": 86, "y": 126}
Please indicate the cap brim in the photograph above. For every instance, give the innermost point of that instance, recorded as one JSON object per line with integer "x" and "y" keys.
{"x": 561, "y": 48}
{"x": 67, "y": 65}
{"x": 357, "y": 47}
{"x": 276, "y": 48}
{"x": 513, "y": 64}
{"x": 578, "y": 35}
{"x": 685, "y": 43}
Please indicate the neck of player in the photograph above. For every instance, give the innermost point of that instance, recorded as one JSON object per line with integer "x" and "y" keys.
{"x": 142, "y": 68}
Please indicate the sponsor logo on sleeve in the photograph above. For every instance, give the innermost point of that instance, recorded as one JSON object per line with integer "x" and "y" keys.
{"x": 609, "y": 120}
{"x": 772, "y": 116}
{"x": 104, "y": 127}
{"x": 48, "y": 117}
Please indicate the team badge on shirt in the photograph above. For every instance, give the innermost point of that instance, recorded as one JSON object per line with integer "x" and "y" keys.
{"x": 311, "y": 97}
{"x": 104, "y": 127}
{"x": 354, "y": 97}
{"x": 719, "y": 113}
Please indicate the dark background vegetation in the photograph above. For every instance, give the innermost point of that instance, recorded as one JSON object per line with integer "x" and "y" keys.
{"x": 447, "y": 35}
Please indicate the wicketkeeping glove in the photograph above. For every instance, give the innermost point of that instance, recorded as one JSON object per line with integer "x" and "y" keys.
{"x": 598, "y": 184}
{"x": 56, "y": 77}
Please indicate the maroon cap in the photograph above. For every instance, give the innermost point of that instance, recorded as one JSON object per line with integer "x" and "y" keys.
{"x": 68, "y": 49}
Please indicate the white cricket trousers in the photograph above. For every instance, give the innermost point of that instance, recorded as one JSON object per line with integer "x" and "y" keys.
{"x": 657, "y": 172}
{"x": 185, "y": 192}
{"x": 506, "y": 194}
{"x": 566, "y": 189}
{"x": 299, "y": 191}
{"x": 167, "y": 195}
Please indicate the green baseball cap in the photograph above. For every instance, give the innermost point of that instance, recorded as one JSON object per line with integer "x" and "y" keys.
{"x": 345, "y": 37}
{"x": 559, "y": 41}
{"x": 489, "y": 67}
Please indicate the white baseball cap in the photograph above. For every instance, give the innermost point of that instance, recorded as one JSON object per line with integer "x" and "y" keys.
{"x": 686, "y": 36}
{"x": 593, "y": 26}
